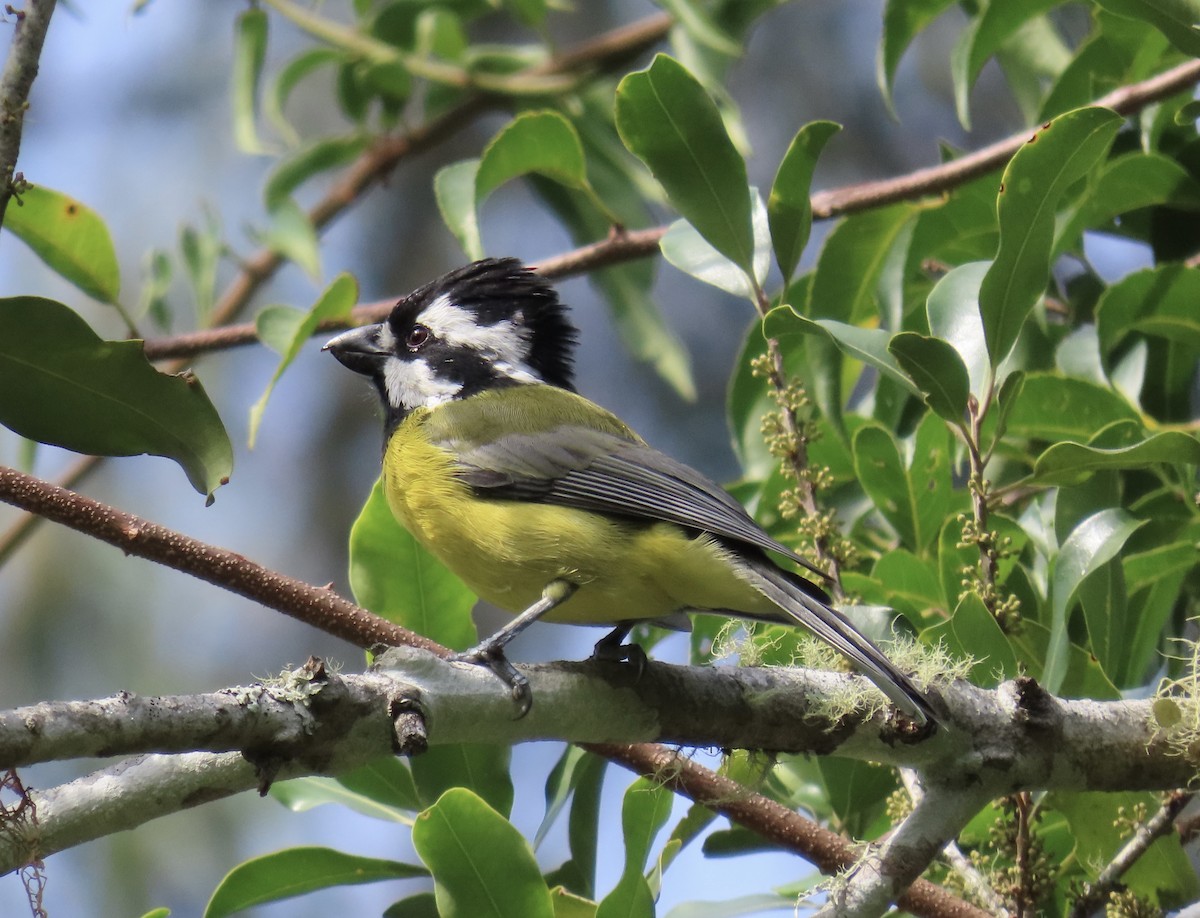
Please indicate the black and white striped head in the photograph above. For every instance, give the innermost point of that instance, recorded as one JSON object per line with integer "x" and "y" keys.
{"x": 491, "y": 323}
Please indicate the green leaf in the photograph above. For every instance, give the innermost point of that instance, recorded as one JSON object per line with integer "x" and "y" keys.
{"x": 201, "y": 250}
{"x": 481, "y": 865}
{"x": 908, "y": 582}
{"x": 978, "y": 635}
{"x": 68, "y": 236}
{"x": 302, "y": 794}
{"x": 1071, "y": 463}
{"x": 1176, "y": 19}
{"x": 789, "y": 211}
{"x": 700, "y": 26}
{"x": 422, "y": 905}
{"x": 903, "y": 20}
{"x": 935, "y": 366}
{"x": 394, "y": 576}
{"x": 249, "y": 52}
{"x": 996, "y": 23}
{"x": 952, "y": 309}
{"x": 1092, "y": 543}
{"x": 454, "y": 188}
{"x": 644, "y": 812}
{"x": 857, "y": 791}
{"x": 559, "y": 787}
{"x": 294, "y": 170}
{"x": 668, "y": 121}
{"x": 870, "y": 345}
{"x": 1105, "y": 604}
{"x": 481, "y": 769}
{"x": 534, "y": 142}
{"x": 583, "y": 825}
{"x": 386, "y": 780}
{"x": 1034, "y": 182}
{"x": 1155, "y": 301}
{"x": 687, "y": 250}
{"x": 334, "y": 303}
{"x": 297, "y": 871}
{"x": 881, "y": 472}
{"x": 65, "y": 386}
{"x": 292, "y": 235}
{"x": 1055, "y": 408}
{"x": 851, "y": 262}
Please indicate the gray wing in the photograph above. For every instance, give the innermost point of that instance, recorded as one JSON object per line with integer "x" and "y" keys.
{"x": 595, "y": 470}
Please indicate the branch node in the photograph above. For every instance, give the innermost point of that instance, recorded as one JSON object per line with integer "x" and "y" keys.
{"x": 409, "y": 736}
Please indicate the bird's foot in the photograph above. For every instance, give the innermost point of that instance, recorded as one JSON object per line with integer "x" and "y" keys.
{"x": 610, "y": 648}
{"x": 493, "y": 658}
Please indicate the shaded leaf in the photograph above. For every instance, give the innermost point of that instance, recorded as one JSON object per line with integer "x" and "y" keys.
{"x": 1155, "y": 301}
{"x": 1176, "y": 19}
{"x": 249, "y": 52}
{"x": 65, "y": 386}
{"x": 935, "y": 366}
{"x": 543, "y": 142}
{"x": 903, "y": 20}
{"x": 1070, "y": 463}
{"x": 687, "y": 250}
{"x": 297, "y": 871}
{"x": 294, "y": 170}
{"x": 851, "y": 261}
{"x": 302, "y": 794}
{"x": 789, "y": 211}
{"x": 1054, "y": 408}
{"x": 481, "y": 769}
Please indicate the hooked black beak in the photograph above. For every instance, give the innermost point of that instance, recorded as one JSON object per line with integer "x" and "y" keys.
{"x": 359, "y": 349}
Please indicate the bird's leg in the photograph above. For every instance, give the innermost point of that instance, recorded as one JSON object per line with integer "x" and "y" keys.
{"x": 490, "y": 652}
{"x": 613, "y": 647}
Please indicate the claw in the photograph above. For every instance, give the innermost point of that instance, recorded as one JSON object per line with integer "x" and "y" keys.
{"x": 495, "y": 660}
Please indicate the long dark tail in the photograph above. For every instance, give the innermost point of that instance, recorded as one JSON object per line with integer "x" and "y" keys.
{"x": 806, "y": 607}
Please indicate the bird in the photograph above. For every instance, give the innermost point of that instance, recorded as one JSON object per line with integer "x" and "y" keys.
{"x": 549, "y": 506}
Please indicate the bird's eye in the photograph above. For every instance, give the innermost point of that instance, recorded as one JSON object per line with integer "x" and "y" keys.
{"x": 417, "y": 337}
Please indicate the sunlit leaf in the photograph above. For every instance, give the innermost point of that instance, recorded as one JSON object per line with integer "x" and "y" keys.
{"x": 1069, "y": 463}
{"x": 688, "y": 251}
{"x": 68, "y": 236}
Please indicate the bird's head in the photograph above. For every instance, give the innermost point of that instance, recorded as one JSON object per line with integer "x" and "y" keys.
{"x": 491, "y": 323}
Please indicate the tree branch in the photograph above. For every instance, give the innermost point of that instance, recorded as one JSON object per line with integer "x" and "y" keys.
{"x": 29, "y": 34}
{"x": 633, "y": 244}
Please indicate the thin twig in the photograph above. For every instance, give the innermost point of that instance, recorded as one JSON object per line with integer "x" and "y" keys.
{"x": 773, "y": 821}
{"x": 29, "y": 34}
{"x": 1146, "y": 835}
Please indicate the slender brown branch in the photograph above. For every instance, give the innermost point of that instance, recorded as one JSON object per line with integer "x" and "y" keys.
{"x": 631, "y": 244}
{"x": 1146, "y": 835}
{"x": 326, "y": 610}
{"x": 773, "y": 821}
{"x": 316, "y": 606}
{"x": 29, "y": 34}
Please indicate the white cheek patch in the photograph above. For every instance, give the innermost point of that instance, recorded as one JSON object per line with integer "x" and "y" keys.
{"x": 505, "y": 343}
{"x": 387, "y": 341}
{"x": 412, "y": 384}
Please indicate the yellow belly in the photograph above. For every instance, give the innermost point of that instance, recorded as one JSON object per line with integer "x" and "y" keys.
{"x": 508, "y": 551}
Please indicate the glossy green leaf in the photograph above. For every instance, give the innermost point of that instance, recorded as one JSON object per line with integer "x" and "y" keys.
{"x": 454, "y": 188}
{"x": 297, "y": 871}
{"x": 984, "y": 35}
{"x": 1070, "y": 463}
{"x": 249, "y": 52}
{"x": 870, "y": 345}
{"x": 1176, "y": 19}
{"x": 688, "y": 251}
{"x": 297, "y": 168}
{"x": 481, "y": 866}
{"x": 1034, "y": 182}
{"x": 65, "y": 386}
{"x": 291, "y": 234}
{"x": 667, "y": 120}
{"x": 394, "y": 576}
{"x": 422, "y": 905}
{"x": 1092, "y": 543}
{"x": 289, "y": 332}
{"x": 851, "y": 261}
{"x": 68, "y": 236}
{"x": 952, "y": 309}
{"x": 1054, "y": 408}
{"x": 302, "y": 794}
{"x": 903, "y": 20}
{"x": 543, "y": 142}
{"x": 1155, "y": 301}
{"x": 935, "y": 366}
{"x": 789, "y": 211}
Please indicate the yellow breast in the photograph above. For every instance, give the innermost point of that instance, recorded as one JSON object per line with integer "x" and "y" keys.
{"x": 507, "y": 551}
